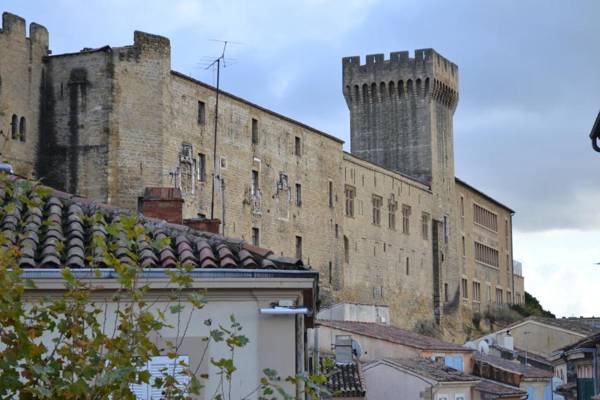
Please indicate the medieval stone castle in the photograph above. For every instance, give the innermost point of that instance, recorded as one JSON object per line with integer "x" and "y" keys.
{"x": 388, "y": 223}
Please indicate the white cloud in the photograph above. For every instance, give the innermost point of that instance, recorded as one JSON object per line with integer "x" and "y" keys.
{"x": 559, "y": 268}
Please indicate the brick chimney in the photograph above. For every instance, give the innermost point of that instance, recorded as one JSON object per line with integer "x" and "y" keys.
{"x": 162, "y": 203}
{"x": 167, "y": 203}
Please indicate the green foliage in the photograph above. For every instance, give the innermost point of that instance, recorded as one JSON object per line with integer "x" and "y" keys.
{"x": 476, "y": 320}
{"x": 501, "y": 316}
{"x": 427, "y": 328}
{"x": 532, "y": 307}
{"x": 70, "y": 347}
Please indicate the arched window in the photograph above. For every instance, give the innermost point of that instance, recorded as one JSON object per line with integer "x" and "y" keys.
{"x": 22, "y": 129}
{"x": 14, "y": 125}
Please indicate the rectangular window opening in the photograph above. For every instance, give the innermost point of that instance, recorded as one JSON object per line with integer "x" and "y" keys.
{"x": 298, "y": 195}
{"x": 425, "y": 226}
{"x": 201, "y": 167}
{"x": 201, "y": 113}
{"x": 297, "y": 146}
{"x": 376, "y": 202}
{"x": 254, "y": 131}
{"x": 350, "y": 193}
{"x": 406, "y": 211}
{"x": 299, "y": 247}
{"x": 255, "y": 182}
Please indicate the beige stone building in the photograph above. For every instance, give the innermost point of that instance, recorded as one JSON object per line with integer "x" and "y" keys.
{"x": 381, "y": 227}
{"x": 487, "y": 276}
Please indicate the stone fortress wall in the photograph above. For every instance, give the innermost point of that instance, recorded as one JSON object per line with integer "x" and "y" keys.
{"x": 109, "y": 122}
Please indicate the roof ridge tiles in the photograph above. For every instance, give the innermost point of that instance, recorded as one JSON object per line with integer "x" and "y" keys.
{"x": 79, "y": 223}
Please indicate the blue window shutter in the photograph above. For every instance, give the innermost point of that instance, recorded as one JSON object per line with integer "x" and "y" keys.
{"x": 455, "y": 362}
{"x": 548, "y": 392}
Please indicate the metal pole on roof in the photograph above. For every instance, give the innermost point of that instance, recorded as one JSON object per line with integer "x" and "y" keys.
{"x": 212, "y": 192}
{"x": 215, "y": 177}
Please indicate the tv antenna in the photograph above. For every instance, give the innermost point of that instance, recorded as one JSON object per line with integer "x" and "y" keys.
{"x": 217, "y": 62}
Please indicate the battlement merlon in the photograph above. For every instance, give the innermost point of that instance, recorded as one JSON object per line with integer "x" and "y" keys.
{"x": 14, "y": 26}
{"x": 400, "y": 66}
{"x": 149, "y": 42}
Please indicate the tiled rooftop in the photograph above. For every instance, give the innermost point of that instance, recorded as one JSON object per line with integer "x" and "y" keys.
{"x": 580, "y": 325}
{"x": 511, "y": 366}
{"x": 430, "y": 369}
{"x": 590, "y": 341}
{"x": 394, "y": 335}
{"x": 499, "y": 390}
{"x": 53, "y": 229}
{"x": 344, "y": 380}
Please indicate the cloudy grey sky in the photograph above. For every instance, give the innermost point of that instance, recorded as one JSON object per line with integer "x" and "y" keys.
{"x": 529, "y": 92}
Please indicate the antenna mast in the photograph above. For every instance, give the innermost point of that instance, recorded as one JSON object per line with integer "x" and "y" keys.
{"x": 218, "y": 63}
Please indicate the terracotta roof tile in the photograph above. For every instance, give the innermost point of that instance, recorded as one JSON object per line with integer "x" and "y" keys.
{"x": 67, "y": 230}
{"x": 393, "y": 334}
{"x": 512, "y": 366}
{"x": 344, "y": 380}
{"x": 429, "y": 369}
{"x": 578, "y": 325}
{"x": 499, "y": 390}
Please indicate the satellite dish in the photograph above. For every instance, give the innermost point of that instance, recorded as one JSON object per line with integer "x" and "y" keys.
{"x": 357, "y": 350}
{"x": 483, "y": 347}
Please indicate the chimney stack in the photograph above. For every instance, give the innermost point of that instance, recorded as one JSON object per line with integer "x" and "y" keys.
{"x": 162, "y": 203}
{"x": 167, "y": 203}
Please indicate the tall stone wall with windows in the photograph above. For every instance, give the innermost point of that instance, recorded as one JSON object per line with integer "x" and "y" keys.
{"x": 486, "y": 261}
{"x": 294, "y": 165}
{"x": 387, "y": 242}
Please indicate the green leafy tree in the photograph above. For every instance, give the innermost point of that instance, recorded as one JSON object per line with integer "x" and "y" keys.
{"x": 85, "y": 358}
{"x": 532, "y": 307}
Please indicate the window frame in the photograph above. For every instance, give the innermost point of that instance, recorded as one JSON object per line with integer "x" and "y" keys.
{"x": 297, "y": 146}
{"x": 377, "y": 203}
{"x": 425, "y": 217}
{"x": 392, "y": 209}
{"x": 406, "y": 212}
{"x": 255, "y": 182}
{"x": 201, "y": 117}
{"x": 350, "y": 196}
{"x": 201, "y": 167}
{"x": 254, "y": 131}
{"x": 298, "y": 195}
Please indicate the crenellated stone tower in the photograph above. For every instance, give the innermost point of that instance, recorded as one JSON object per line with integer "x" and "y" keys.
{"x": 401, "y": 117}
{"x": 22, "y": 73}
{"x": 401, "y": 112}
